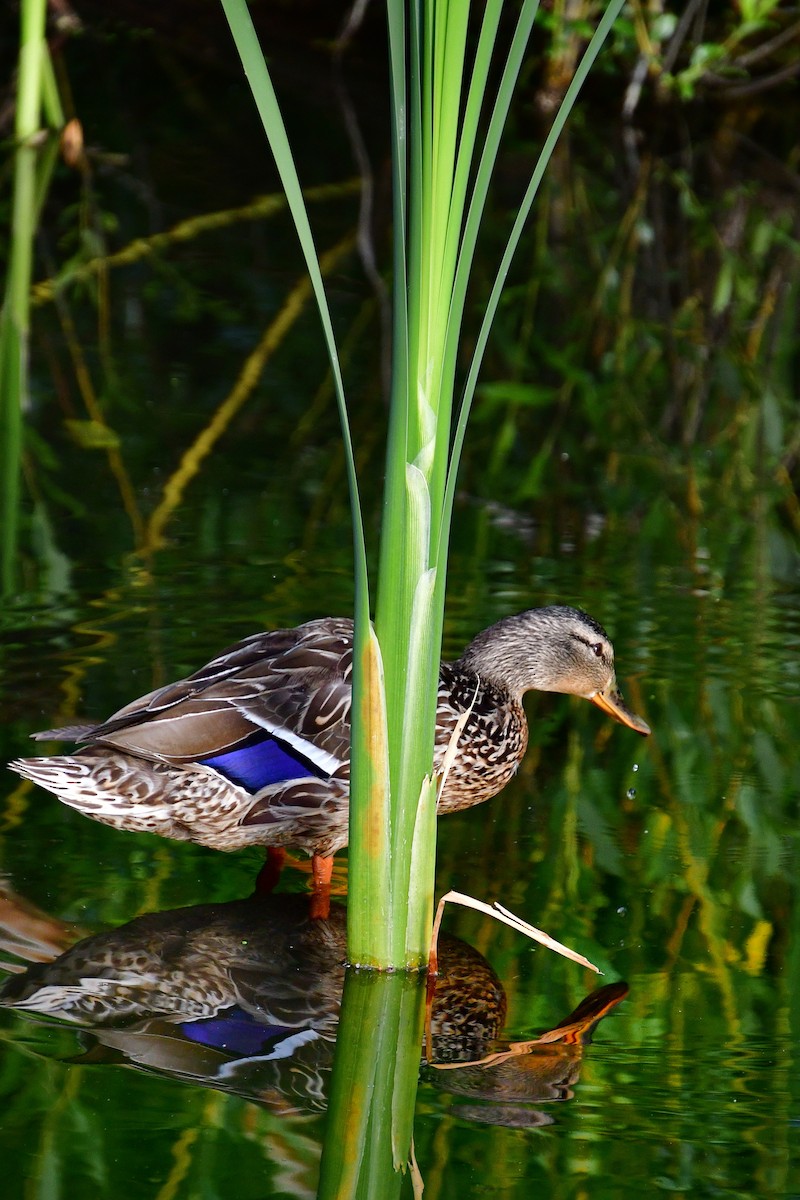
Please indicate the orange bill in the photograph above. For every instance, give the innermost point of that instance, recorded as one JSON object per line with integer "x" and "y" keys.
{"x": 612, "y": 703}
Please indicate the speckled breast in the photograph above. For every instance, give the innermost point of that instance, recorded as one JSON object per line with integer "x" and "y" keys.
{"x": 492, "y": 742}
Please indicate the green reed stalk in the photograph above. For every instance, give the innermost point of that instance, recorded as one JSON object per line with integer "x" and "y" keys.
{"x": 442, "y": 167}
{"x": 440, "y": 195}
{"x": 14, "y": 318}
{"x": 433, "y": 154}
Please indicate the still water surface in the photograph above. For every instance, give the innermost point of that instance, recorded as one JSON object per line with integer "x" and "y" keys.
{"x": 671, "y": 863}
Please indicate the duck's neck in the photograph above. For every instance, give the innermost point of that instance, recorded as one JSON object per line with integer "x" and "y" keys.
{"x": 497, "y": 656}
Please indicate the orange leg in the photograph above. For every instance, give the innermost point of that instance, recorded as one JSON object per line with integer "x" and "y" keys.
{"x": 269, "y": 875}
{"x": 321, "y": 871}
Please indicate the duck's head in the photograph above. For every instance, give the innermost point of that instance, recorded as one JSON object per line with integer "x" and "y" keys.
{"x": 554, "y": 649}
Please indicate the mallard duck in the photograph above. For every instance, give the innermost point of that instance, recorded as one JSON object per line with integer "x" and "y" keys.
{"x": 254, "y": 748}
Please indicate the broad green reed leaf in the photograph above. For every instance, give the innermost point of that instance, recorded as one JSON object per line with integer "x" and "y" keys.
{"x": 370, "y": 886}
{"x": 423, "y": 864}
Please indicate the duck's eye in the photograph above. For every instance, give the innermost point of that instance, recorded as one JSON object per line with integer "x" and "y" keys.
{"x": 598, "y": 649}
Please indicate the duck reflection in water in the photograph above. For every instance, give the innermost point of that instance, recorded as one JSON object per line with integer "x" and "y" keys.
{"x": 509, "y": 1076}
{"x": 245, "y": 997}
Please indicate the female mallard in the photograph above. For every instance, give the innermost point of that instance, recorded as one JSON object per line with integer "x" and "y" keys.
{"x": 254, "y": 748}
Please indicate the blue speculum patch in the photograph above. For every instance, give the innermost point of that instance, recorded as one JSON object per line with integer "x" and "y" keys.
{"x": 259, "y": 763}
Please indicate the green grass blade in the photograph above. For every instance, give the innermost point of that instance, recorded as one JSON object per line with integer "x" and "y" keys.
{"x": 15, "y": 316}
{"x": 448, "y": 86}
{"x": 469, "y": 129}
{"x": 446, "y": 206}
{"x": 477, "y": 205}
{"x": 468, "y": 242}
{"x": 244, "y": 35}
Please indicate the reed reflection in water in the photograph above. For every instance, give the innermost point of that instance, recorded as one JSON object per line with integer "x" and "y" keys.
{"x": 245, "y": 997}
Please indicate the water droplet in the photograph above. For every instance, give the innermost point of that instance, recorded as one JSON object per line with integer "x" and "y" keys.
{"x": 631, "y": 793}
{"x": 636, "y": 766}
{"x": 622, "y": 911}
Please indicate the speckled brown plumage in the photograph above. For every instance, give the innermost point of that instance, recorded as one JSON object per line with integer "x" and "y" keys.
{"x": 184, "y": 761}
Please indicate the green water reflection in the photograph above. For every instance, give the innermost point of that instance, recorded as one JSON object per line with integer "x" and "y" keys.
{"x": 647, "y": 477}
{"x": 672, "y": 864}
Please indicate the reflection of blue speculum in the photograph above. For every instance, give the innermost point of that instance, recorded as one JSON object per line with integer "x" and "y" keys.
{"x": 245, "y": 996}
